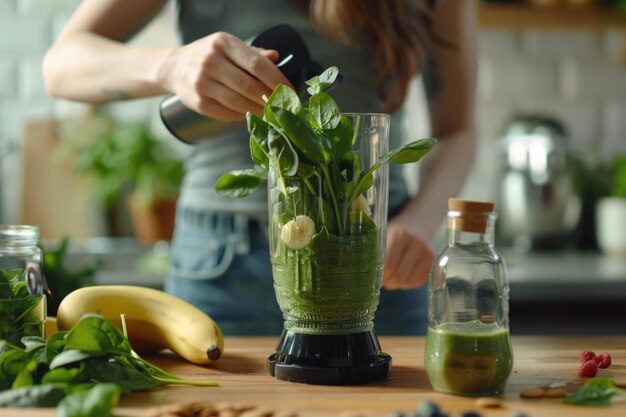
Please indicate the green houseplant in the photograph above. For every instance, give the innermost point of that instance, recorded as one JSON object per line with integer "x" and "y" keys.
{"x": 112, "y": 157}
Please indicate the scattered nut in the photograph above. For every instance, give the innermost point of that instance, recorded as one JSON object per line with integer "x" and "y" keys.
{"x": 534, "y": 393}
{"x": 556, "y": 393}
{"x": 257, "y": 412}
{"x": 488, "y": 402}
{"x": 353, "y": 414}
{"x": 222, "y": 409}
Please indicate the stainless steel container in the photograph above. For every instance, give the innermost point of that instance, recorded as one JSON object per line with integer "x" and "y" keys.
{"x": 294, "y": 61}
{"x": 537, "y": 201}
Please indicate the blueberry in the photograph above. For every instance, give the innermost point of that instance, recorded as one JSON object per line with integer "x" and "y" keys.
{"x": 470, "y": 414}
{"x": 428, "y": 409}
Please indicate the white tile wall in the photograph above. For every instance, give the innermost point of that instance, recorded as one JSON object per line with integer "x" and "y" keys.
{"x": 554, "y": 45}
{"x": 24, "y": 35}
{"x": 7, "y": 7}
{"x": 594, "y": 79}
{"x": 613, "y": 44}
{"x": 7, "y": 78}
{"x": 614, "y": 124}
{"x": 29, "y": 78}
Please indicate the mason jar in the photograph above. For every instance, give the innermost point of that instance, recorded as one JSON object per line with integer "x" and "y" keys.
{"x": 22, "y": 299}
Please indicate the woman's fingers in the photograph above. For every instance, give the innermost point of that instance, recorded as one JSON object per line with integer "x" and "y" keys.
{"x": 257, "y": 64}
{"x": 408, "y": 260}
{"x": 238, "y": 103}
{"x": 222, "y": 77}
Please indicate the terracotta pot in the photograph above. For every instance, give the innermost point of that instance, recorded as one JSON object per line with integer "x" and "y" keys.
{"x": 155, "y": 222}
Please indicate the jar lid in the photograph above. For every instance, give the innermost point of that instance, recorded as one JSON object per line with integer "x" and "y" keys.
{"x": 19, "y": 234}
{"x": 470, "y": 215}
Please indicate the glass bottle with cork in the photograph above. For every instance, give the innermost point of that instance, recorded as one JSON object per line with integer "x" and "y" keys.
{"x": 468, "y": 348}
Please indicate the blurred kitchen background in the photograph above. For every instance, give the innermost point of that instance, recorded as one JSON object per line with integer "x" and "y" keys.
{"x": 551, "y": 112}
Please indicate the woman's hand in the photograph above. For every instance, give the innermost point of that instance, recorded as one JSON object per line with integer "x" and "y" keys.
{"x": 220, "y": 76}
{"x": 408, "y": 259}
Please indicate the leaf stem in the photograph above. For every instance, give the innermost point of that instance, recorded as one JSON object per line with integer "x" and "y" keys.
{"x": 333, "y": 198}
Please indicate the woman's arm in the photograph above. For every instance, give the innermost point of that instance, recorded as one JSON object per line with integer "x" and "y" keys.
{"x": 445, "y": 169}
{"x": 219, "y": 75}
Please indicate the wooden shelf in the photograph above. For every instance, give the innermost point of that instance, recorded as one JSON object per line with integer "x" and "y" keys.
{"x": 523, "y": 16}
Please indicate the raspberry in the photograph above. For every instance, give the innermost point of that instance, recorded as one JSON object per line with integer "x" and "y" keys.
{"x": 586, "y": 355}
{"x": 603, "y": 360}
{"x": 588, "y": 369}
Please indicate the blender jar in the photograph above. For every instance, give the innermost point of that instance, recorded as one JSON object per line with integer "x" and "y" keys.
{"x": 327, "y": 254}
{"x": 468, "y": 348}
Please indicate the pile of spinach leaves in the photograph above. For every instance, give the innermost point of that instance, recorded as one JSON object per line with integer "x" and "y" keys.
{"x": 21, "y": 313}
{"x": 87, "y": 366}
{"x": 310, "y": 147}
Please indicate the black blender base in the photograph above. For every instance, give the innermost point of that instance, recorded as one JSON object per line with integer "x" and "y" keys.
{"x": 344, "y": 359}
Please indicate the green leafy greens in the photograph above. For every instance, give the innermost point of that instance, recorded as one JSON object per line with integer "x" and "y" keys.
{"x": 62, "y": 280}
{"x": 83, "y": 370}
{"x": 310, "y": 145}
{"x": 596, "y": 392}
{"x": 21, "y": 313}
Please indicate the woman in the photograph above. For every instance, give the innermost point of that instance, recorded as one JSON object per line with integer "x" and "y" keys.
{"x": 220, "y": 259}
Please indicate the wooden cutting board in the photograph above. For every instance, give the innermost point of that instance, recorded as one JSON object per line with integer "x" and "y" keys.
{"x": 51, "y": 196}
{"x": 242, "y": 374}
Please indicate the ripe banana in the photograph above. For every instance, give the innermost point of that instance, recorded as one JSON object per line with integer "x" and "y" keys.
{"x": 154, "y": 320}
{"x": 298, "y": 233}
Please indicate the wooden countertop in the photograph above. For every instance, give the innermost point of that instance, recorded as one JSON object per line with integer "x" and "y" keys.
{"x": 243, "y": 377}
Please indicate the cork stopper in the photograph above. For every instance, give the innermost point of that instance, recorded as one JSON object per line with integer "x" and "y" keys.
{"x": 473, "y": 215}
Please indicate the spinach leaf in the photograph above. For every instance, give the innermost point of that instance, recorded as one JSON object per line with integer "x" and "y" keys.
{"x": 240, "y": 183}
{"x": 98, "y": 401}
{"x": 33, "y": 342}
{"x": 11, "y": 363}
{"x": 303, "y": 137}
{"x": 284, "y": 156}
{"x": 324, "y": 112}
{"x": 55, "y": 345}
{"x": 45, "y": 395}
{"x": 72, "y": 356}
{"x": 341, "y": 137}
{"x": 411, "y": 152}
{"x": 121, "y": 372}
{"x": 596, "y": 392}
{"x": 93, "y": 334}
{"x": 64, "y": 375}
{"x": 284, "y": 98}
{"x": 321, "y": 82}
{"x": 259, "y": 148}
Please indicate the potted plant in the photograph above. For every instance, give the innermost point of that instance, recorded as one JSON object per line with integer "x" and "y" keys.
{"x": 611, "y": 212}
{"x": 112, "y": 157}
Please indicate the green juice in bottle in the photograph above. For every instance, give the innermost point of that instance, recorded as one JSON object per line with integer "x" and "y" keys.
{"x": 468, "y": 347}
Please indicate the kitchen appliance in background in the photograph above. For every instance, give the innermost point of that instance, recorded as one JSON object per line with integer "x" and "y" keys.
{"x": 538, "y": 204}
